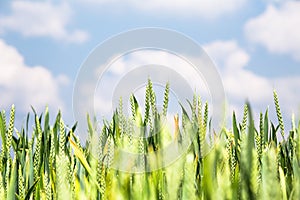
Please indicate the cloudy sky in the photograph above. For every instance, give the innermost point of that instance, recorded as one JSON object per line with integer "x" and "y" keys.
{"x": 254, "y": 44}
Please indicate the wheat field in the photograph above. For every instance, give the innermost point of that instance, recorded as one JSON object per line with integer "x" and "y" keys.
{"x": 237, "y": 162}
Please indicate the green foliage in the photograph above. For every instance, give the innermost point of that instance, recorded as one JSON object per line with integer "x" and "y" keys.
{"x": 244, "y": 162}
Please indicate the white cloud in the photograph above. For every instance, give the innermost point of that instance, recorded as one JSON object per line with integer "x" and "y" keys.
{"x": 239, "y": 82}
{"x": 41, "y": 19}
{"x": 228, "y": 54}
{"x": 194, "y": 8}
{"x": 277, "y": 29}
{"x": 27, "y": 85}
{"x": 129, "y": 67}
{"x": 242, "y": 84}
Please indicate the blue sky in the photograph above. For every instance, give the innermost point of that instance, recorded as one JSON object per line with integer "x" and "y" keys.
{"x": 255, "y": 45}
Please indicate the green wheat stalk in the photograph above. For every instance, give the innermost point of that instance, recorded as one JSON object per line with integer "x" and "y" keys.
{"x": 10, "y": 129}
{"x": 166, "y": 99}
{"x": 278, "y": 112}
